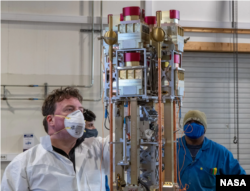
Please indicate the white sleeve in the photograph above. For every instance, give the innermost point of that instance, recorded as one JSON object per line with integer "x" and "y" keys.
{"x": 14, "y": 177}
{"x": 104, "y": 144}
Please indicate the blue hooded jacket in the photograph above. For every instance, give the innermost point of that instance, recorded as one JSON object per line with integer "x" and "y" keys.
{"x": 199, "y": 174}
{"x": 107, "y": 183}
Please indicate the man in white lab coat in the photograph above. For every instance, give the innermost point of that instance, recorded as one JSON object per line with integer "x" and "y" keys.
{"x": 61, "y": 162}
{"x": 91, "y": 131}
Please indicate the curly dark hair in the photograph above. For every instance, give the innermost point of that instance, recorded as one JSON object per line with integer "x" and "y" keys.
{"x": 57, "y": 95}
{"x": 89, "y": 115}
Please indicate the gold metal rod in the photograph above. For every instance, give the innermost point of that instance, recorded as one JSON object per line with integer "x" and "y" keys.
{"x": 159, "y": 52}
{"x": 159, "y": 123}
{"x": 110, "y": 22}
{"x": 158, "y": 17}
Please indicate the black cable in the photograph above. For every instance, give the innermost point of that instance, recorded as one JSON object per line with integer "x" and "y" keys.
{"x": 236, "y": 77}
{"x": 233, "y": 25}
{"x": 105, "y": 124}
{"x": 143, "y": 184}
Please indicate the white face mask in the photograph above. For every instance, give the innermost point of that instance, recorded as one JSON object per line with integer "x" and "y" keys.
{"x": 74, "y": 123}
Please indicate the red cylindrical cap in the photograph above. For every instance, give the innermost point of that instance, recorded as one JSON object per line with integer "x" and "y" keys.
{"x": 121, "y": 17}
{"x": 128, "y": 11}
{"x": 108, "y": 17}
{"x": 132, "y": 57}
{"x": 176, "y": 58}
{"x": 150, "y": 20}
{"x": 174, "y": 14}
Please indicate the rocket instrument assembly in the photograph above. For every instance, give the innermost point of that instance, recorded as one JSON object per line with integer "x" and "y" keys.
{"x": 144, "y": 80}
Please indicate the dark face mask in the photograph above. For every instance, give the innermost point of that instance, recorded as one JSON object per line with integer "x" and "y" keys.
{"x": 90, "y": 133}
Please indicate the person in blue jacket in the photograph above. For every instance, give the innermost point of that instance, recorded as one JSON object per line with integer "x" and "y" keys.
{"x": 201, "y": 159}
{"x": 91, "y": 131}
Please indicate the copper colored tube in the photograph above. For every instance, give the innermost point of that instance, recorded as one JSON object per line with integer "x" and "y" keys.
{"x": 110, "y": 104}
{"x": 111, "y": 146}
{"x": 158, "y": 15}
{"x": 175, "y": 159}
{"x": 111, "y": 119}
{"x": 159, "y": 124}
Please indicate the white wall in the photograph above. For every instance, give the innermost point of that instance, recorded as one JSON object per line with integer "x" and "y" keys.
{"x": 57, "y": 53}
{"x": 214, "y": 14}
{"x": 69, "y": 8}
{"x": 217, "y": 11}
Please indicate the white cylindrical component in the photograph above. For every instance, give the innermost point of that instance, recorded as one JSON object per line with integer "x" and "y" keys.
{"x": 126, "y": 109}
{"x": 174, "y": 21}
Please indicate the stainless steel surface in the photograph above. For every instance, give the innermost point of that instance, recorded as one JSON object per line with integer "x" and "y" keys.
{"x": 130, "y": 67}
{"x": 124, "y": 144}
{"x": 118, "y": 135}
{"x": 127, "y": 36}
